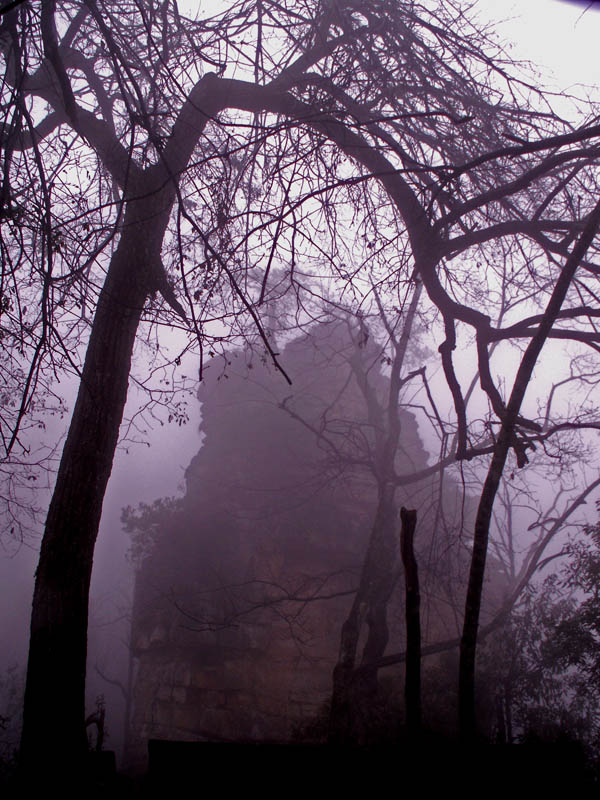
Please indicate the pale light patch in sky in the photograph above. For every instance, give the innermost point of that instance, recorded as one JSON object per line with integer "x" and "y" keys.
{"x": 557, "y": 35}
{"x": 560, "y": 40}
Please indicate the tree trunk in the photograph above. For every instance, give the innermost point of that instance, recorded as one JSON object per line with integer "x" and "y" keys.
{"x": 468, "y": 643}
{"x": 54, "y": 713}
{"x": 353, "y": 690}
{"x": 412, "y": 685}
{"x": 506, "y": 439}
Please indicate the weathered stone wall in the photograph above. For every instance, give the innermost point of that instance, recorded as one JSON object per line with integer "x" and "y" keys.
{"x": 228, "y": 641}
{"x": 258, "y": 679}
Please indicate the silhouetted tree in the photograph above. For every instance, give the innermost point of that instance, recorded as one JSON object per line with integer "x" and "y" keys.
{"x": 399, "y": 123}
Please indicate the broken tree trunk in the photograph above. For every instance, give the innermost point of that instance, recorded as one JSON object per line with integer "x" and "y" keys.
{"x": 412, "y": 684}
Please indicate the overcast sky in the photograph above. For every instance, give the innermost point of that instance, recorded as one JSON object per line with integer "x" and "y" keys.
{"x": 561, "y": 35}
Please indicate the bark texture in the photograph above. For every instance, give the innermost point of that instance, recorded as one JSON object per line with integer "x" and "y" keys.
{"x": 54, "y": 713}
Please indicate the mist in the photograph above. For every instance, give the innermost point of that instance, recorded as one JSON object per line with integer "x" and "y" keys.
{"x": 307, "y": 302}
{"x": 143, "y": 470}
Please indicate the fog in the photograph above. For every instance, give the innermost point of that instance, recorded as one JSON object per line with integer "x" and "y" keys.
{"x": 143, "y": 471}
{"x": 154, "y": 467}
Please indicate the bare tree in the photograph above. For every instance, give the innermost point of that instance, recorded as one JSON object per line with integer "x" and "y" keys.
{"x": 312, "y": 119}
{"x": 507, "y": 438}
{"x": 352, "y": 691}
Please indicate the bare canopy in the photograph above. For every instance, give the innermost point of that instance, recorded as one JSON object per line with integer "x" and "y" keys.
{"x": 158, "y": 169}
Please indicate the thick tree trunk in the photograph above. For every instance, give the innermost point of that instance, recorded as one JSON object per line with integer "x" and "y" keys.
{"x": 412, "y": 684}
{"x": 54, "y": 713}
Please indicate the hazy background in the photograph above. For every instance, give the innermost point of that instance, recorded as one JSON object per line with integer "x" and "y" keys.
{"x": 558, "y": 35}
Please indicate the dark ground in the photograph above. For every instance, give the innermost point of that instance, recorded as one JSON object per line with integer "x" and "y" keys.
{"x": 189, "y": 769}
